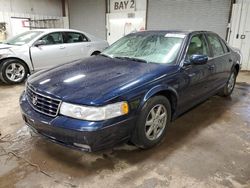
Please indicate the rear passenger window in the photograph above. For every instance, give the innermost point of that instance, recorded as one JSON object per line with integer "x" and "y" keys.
{"x": 71, "y": 37}
{"x": 53, "y": 38}
{"x": 215, "y": 45}
{"x": 224, "y": 46}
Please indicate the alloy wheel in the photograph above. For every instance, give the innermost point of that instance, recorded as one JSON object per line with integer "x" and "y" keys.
{"x": 15, "y": 72}
{"x": 231, "y": 82}
{"x": 156, "y": 122}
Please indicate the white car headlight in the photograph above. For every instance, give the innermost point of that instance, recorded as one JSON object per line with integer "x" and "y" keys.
{"x": 91, "y": 113}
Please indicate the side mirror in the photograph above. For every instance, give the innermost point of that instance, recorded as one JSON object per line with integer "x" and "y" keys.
{"x": 197, "y": 59}
{"x": 39, "y": 43}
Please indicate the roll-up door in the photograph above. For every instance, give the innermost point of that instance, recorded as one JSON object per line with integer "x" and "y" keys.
{"x": 189, "y": 15}
{"x": 88, "y": 16}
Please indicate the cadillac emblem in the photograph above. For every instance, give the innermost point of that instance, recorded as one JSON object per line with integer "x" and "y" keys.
{"x": 34, "y": 100}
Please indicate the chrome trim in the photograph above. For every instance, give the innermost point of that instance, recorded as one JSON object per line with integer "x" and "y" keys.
{"x": 48, "y": 97}
{"x": 214, "y": 57}
{"x": 43, "y": 95}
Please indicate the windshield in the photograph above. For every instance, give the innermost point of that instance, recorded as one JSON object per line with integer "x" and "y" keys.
{"x": 23, "y": 38}
{"x": 155, "y": 48}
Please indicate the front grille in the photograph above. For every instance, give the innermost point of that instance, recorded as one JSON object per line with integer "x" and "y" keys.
{"x": 43, "y": 104}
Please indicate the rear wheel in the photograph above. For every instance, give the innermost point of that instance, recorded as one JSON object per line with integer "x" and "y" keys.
{"x": 229, "y": 87}
{"x": 13, "y": 71}
{"x": 152, "y": 123}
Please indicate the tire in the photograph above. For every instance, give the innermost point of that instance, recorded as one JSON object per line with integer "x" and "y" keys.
{"x": 156, "y": 128}
{"x": 229, "y": 87}
{"x": 13, "y": 71}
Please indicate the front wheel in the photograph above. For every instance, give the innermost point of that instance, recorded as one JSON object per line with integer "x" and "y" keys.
{"x": 229, "y": 87}
{"x": 13, "y": 71}
{"x": 152, "y": 122}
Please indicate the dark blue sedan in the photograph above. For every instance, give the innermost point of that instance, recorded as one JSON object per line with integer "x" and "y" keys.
{"x": 131, "y": 91}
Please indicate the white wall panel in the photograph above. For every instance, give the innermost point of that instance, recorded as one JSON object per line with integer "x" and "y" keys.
{"x": 43, "y": 7}
{"x": 240, "y": 31}
{"x": 6, "y": 18}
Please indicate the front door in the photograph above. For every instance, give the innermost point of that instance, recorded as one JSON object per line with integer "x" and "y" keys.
{"x": 197, "y": 78}
{"x": 51, "y": 54}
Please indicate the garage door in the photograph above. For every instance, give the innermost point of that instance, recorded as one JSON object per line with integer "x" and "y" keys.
{"x": 189, "y": 15}
{"x": 88, "y": 16}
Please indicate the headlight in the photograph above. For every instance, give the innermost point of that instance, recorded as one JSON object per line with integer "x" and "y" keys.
{"x": 91, "y": 113}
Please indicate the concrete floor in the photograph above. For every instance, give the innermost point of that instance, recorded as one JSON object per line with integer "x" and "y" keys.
{"x": 208, "y": 146}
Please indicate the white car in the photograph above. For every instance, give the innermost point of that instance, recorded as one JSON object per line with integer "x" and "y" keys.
{"x": 44, "y": 48}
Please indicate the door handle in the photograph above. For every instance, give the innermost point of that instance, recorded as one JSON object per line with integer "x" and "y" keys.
{"x": 62, "y": 47}
{"x": 230, "y": 60}
{"x": 88, "y": 45}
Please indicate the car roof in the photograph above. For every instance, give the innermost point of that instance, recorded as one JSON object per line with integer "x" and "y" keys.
{"x": 47, "y": 31}
{"x": 185, "y": 32}
{"x": 57, "y": 30}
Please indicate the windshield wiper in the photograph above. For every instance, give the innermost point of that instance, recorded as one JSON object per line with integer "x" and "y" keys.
{"x": 132, "y": 59}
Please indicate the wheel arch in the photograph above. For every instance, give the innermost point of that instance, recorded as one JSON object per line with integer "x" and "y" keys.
{"x": 7, "y": 58}
{"x": 237, "y": 68}
{"x": 168, "y": 92}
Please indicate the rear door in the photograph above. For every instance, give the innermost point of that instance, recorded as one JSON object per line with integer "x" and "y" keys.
{"x": 77, "y": 45}
{"x": 221, "y": 57}
{"x": 198, "y": 77}
{"x": 51, "y": 54}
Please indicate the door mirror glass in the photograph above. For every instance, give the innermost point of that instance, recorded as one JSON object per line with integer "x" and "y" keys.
{"x": 198, "y": 59}
{"x": 40, "y": 43}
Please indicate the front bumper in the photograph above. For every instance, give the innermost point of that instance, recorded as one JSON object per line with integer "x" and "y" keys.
{"x": 79, "y": 134}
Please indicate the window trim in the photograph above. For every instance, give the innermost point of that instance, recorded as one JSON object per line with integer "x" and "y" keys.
{"x": 189, "y": 41}
{"x": 49, "y": 34}
{"x": 224, "y": 53}
{"x": 224, "y": 44}
{"x": 65, "y": 33}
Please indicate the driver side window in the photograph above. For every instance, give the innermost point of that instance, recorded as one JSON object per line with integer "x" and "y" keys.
{"x": 53, "y": 38}
{"x": 197, "y": 45}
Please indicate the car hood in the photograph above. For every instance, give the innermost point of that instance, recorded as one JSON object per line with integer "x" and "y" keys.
{"x": 5, "y": 46}
{"x": 6, "y": 49}
{"x": 95, "y": 80}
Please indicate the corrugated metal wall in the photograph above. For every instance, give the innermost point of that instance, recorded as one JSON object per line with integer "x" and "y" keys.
{"x": 42, "y": 14}
{"x": 41, "y": 7}
{"x": 88, "y": 16}
{"x": 189, "y": 15}
{"x": 5, "y": 17}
